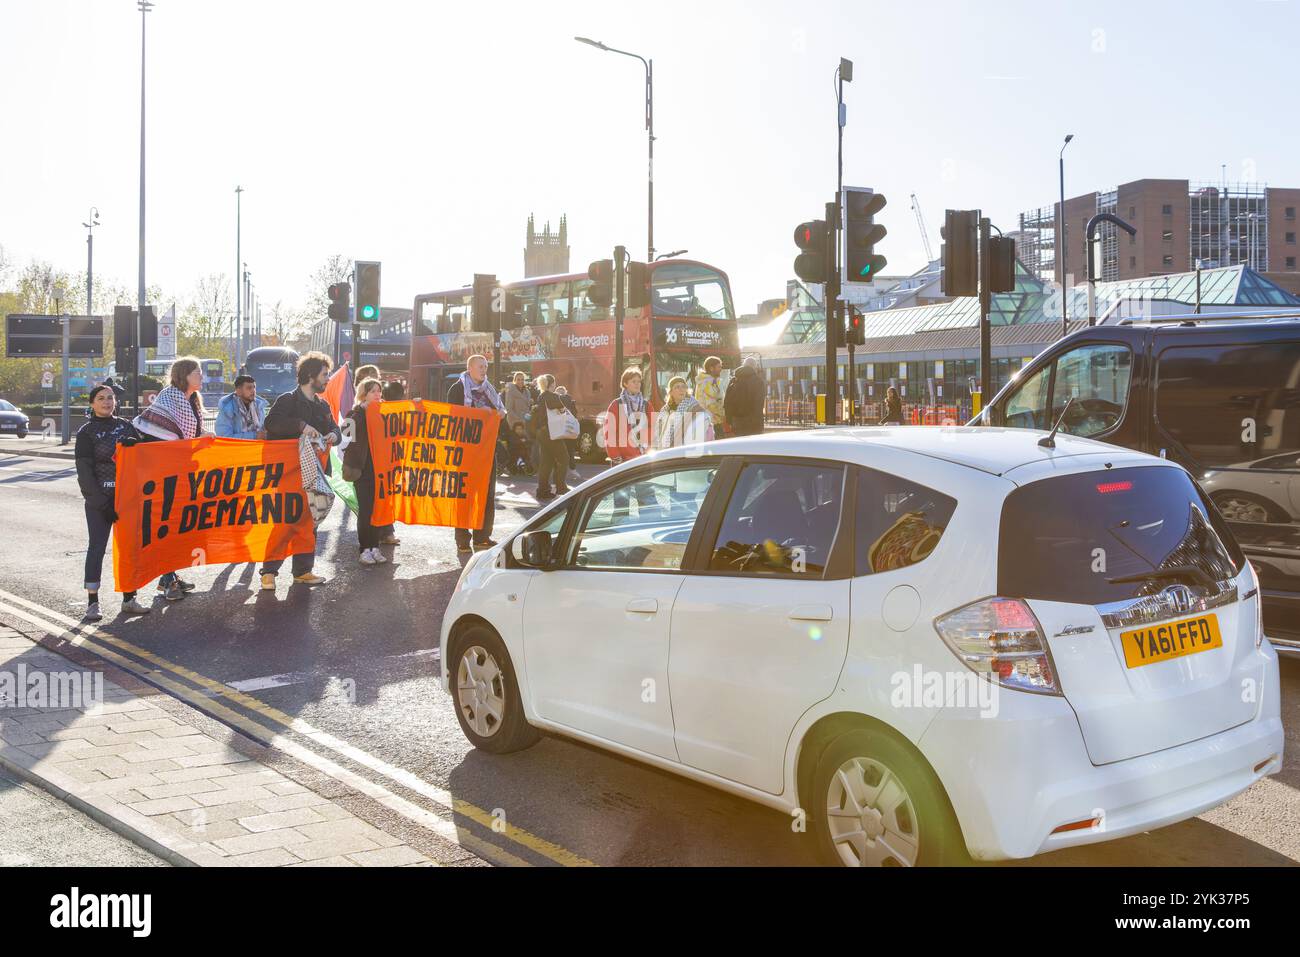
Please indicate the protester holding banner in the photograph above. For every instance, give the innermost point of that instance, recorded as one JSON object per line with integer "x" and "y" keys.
{"x": 627, "y": 420}
{"x": 474, "y": 390}
{"x": 393, "y": 391}
{"x": 242, "y": 414}
{"x": 553, "y": 465}
{"x": 175, "y": 413}
{"x": 294, "y": 414}
{"x": 96, "y": 452}
{"x": 358, "y": 468}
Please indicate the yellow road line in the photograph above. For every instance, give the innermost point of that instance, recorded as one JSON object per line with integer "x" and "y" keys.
{"x": 81, "y": 633}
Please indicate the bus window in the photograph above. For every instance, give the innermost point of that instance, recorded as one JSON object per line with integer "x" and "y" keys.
{"x": 430, "y": 318}
{"x": 678, "y": 289}
{"x": 553, "y": 303}
{"x": 457, "y": 313}
{"x": 583, "y": 308}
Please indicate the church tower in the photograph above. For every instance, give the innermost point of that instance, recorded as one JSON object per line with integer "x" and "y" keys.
{"x": 547, "y": 253}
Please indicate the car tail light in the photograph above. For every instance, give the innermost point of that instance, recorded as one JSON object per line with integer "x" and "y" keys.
{"x": 1000, "y": 638}
{"x": 1259, "y": 605}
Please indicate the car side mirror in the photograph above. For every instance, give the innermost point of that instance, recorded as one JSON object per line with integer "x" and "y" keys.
{"x": 535, "y": 550}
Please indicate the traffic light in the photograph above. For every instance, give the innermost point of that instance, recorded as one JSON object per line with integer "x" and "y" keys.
{"x": 1002, "y": 264}
{"x": 811, "y": 265}
{"x": 367, "y": 291}
{"x": 638, "y": 285}
{"x": 601, "y": 291}
{"x": 148, "y": 328}
{"x": 959, "y": 257}
{"x": 862, "y": 264}
{"x": 483, "y": 317}
{"x": 855, "y": 330}
{"x": 340, "y": 294}
{"x": 123, "y": 327}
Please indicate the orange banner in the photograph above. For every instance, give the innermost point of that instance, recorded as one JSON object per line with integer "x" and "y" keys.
{"x": 432, "y": 462}
{"x": 206, "y": 501}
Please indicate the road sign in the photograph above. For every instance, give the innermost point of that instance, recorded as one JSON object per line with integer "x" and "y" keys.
{"x": 167, "y": 335}
{"x": 31, "y": 337}
{"x": 47, "y": 380}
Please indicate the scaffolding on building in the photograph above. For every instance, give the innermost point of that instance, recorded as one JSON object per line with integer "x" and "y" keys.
{"x": 1036, "y": 242}
{"x": 1228, "y": 225}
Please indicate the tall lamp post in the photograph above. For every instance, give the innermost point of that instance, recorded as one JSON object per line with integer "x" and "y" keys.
{"x": 145, "y": 6}
{"x": 239, "y": 258}
{"x": 650, "y": 130}
{"x": 90, "y": 224}
{"x": 1060, "y": 243}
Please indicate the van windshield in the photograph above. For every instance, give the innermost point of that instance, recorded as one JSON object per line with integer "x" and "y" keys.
{"x": 1072, "y": 537}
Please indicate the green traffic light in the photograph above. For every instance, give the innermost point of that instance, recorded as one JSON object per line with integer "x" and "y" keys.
{"x": 368, "y": 312}
{"x": 865, "y": 269}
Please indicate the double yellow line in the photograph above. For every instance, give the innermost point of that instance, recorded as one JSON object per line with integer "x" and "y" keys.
{"x": 103, "y": 644}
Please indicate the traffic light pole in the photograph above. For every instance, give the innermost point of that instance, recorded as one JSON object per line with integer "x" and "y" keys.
{"x": 620, "y": 277}
{"x": 986, "y": 301}
{"x": 832, "y": 311}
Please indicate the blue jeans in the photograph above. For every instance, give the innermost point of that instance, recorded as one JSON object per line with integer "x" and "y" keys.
{"x": 302, "y": 562}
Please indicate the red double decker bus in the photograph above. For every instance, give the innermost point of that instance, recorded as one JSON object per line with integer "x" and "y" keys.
{"x": 558, "y": 330}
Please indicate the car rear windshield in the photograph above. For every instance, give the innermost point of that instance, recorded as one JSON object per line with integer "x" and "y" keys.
{"x": 1070, "y": 537}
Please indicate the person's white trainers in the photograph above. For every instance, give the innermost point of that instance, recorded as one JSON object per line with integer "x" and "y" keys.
{"x": 378, "y": 556}
{"x": 368, "y": 557}
{"x": 92, "y": 612}
{"x": 133, "y": 607}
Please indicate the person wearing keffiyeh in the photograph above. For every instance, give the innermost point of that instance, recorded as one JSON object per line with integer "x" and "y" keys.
{"x": 175, "y": 413}
{"x": 473, "y": 389}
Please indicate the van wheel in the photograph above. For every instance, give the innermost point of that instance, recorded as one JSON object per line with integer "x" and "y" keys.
{"x": 877, "y": 805}
{"x": 1245, "y": 507}
{"x": 486, "y": 694}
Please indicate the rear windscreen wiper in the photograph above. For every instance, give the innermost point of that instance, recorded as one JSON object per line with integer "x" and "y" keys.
{"x": 1197, "y": 576}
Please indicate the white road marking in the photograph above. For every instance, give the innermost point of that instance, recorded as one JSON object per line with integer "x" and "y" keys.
{"x": 269, "y": 681}
{"x": 82, "y": 634}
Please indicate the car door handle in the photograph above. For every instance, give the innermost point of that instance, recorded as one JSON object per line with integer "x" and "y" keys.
{"x": 643, "y": 606}
{"x": 812, "y": 613}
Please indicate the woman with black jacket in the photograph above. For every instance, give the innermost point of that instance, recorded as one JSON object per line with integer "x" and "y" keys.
{"x": 356, "y": 461}
{"x": 96, "y": 452}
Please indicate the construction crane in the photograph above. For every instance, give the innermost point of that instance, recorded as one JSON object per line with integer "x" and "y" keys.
{"x": 920, "y": 224}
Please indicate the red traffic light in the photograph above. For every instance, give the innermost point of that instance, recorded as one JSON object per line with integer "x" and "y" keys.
{"x": 811, "y": 236}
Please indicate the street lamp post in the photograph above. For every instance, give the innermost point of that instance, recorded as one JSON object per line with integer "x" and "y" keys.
{"x": 650, "y": 131}
{"x": 239, "y": 313}
{"x": 90, "y": 224}
{"x": 1060, "y": 243}
{"x": 145, "y": 6}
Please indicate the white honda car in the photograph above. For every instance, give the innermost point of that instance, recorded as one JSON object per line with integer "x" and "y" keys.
{"x": 930, "y": 644}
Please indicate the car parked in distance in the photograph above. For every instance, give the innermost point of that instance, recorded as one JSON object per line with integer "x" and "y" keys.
{"x": 938, "y": 644}
{"x": 1219, "y": 396}
{"x": 13, "y": 421}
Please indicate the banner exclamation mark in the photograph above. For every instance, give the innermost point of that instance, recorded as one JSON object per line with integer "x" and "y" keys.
{"x": 169, "y": 493}
{"x": 146, "y": 514}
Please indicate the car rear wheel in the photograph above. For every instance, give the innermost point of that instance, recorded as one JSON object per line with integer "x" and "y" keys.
{"x": 878, "y": 805}
{"x": 486, "y": 694}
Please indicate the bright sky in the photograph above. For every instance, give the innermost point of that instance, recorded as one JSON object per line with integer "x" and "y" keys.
{"x": 422, "y": 134}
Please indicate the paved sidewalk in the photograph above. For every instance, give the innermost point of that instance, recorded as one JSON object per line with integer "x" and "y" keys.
{"x": 38, "y": 446}
{"x": 173, "y": 789}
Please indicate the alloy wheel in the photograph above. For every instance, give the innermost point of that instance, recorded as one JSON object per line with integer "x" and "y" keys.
{"x": 871, "y": 817}
{"x": 481, "y": 691}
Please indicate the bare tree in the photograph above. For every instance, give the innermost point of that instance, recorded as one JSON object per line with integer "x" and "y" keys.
{"x": 337, "y": 268}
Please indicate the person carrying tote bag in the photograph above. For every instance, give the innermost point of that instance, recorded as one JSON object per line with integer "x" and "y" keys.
{"x": 550, "y": 427}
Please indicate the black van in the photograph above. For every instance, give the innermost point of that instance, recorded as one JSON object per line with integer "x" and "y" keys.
{"x": 1220, "y": 397}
